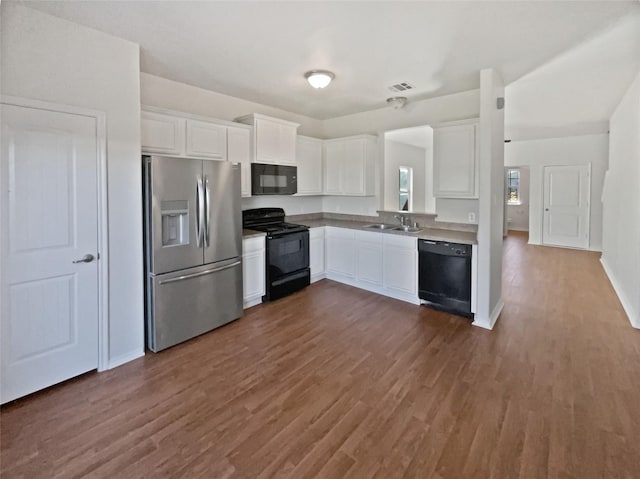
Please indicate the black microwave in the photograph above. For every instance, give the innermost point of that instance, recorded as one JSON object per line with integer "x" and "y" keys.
{"x": 273, "y": 179}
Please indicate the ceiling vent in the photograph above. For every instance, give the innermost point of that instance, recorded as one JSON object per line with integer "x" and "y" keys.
{"x": 403, "y": 86}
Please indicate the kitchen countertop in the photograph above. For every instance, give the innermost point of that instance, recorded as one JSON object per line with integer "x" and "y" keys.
{"x": 252, "y": 234}
{"x": 434, "y": 234}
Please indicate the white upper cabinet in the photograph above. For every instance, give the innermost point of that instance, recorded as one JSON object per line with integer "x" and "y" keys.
{"x": 309, "y": 160}
{"x": 182, "y": 134}
{"x": 455, "y": 154}
{"x": 162, "y": 133}
{"x": 333, "y": 159}
{"x": 274, "y": 139}
{"x": 206, "y": 139}
{"x": 350, "y": 166}
{"x": 239, "y": 151}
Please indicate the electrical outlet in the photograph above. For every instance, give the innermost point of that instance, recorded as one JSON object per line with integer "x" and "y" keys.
{"x": 472, "y": 217}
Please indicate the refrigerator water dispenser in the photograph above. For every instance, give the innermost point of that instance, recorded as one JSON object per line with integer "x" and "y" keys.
{"x": 175, "y": 223}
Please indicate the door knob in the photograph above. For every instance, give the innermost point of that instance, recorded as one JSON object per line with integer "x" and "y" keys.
{"x": 87, "y": 258}
{"x": 546, "y": 209}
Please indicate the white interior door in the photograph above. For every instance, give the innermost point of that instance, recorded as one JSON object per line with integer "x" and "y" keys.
{"x": 49, "y": 326}
{"x": 566, "y": 206}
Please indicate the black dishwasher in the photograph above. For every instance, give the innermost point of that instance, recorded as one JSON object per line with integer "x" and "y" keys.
{"x": 444, "y": 276}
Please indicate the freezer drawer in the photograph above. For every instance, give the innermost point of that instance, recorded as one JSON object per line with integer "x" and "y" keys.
{"x": 187, "y": 303}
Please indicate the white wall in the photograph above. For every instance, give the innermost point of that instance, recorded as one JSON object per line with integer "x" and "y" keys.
{"x": 518, "y": 215}
{"x": 163, "y": 93}
{"x": 621, "y": 211}
{"x": 432, "y": 111}
{"x": 491, "y": 200}
{"x": 172, "y": 95}
{"x": 397, "y": 155}
{"x": 53, "y": 60}
{"x": 573, "y": 150}
{"x": 456, "y": 210}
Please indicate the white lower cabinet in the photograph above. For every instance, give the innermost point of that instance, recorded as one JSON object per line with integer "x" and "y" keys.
{"x": 369, "y": 257}
{"x": 340, "y": 253}
{"x": 379, "y": 262}
{"x": 400, "y": 266}
{"x": 253, "y": 272}
{"x": 316, "y": 253}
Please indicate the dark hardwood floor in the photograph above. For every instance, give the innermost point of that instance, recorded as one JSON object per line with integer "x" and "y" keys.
{"x": 336, "y": 382}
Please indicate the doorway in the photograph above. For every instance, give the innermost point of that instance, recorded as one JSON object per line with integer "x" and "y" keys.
{"x": 566, "y": 206}
{"x": 517, "y": 186}
{"x": 53, "y": 283}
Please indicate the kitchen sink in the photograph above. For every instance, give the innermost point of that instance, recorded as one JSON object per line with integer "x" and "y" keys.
{"x": 407, "y": 229}
{"x": 380, "y": 226}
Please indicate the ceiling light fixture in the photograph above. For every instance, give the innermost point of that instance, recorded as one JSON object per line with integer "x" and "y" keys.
{"x": 397, "y": 102}
{"x": 319, "y": 78}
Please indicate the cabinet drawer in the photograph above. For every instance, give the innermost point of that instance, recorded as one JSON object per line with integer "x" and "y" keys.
{"x": 250, "y": 245}
{"x": 340, "y": 233}
{"x": 317, "y": 232}
{"x": 400, "y": 241}
{"x": 369, "y": 237}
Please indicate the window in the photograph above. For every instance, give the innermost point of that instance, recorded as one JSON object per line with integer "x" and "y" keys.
{"x": 405, "y": 178}
{"x": 513, "y": 186}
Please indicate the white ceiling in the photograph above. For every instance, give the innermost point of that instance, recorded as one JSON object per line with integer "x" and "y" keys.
{"x": 576, "y": 92}
{"x": 420, "y": 136}
{"x": 259, "y": 51}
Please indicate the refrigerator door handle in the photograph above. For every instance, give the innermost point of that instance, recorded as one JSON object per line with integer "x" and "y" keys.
{"x": 199, "y": 212}
{"x": 207, "y": 195}
{"x": 201, "y": 273}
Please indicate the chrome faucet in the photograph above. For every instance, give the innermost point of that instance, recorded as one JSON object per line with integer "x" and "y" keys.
{"x": 401, "y": 218}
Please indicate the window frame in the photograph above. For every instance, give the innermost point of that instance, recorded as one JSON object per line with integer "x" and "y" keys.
{"x": 510, "y": 186}
{"x": 408, "y": 191}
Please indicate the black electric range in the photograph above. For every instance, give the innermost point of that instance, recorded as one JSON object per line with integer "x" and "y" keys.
{"x": 287, "y": 251}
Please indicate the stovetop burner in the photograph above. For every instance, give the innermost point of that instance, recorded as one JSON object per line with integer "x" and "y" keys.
{"x": 269, "y": 220}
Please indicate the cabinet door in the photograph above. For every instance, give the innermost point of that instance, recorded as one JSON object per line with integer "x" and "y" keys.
{"x": 400, "y": 265}
{"x": 162, "y": 134}
{"x": 309, "y": 160}
{"x": 333, "y": 160}
{"x": 340, "y": 252}
{"x": 369, "y": 247}
{"x": 206, "y": 140}
{"x": 353, "y": 168}
{"x": 454, "y": 161}
{"x": 239, "y": 151}
{"x": 316, "y": 252}
{"x": 287, "y": 144}
{"x": 267, "y": 142}
{"x": 253, "y": 269}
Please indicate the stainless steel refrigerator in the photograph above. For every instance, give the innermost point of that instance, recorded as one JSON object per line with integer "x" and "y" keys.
{"x": 193, "y": 247}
